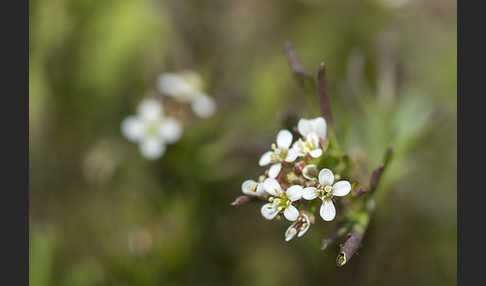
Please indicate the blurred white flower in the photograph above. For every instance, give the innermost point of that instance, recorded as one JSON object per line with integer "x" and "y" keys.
{"x": 280, "y": 200}
{"x": 252, "y": 188}
{"x": 187, "y": 87}
{"x": 326, "y": 191}
{"x": 313, "y": 130}
{"x": 151, "y": 129}
{"x": 298, "y": 227}
{"x": 281, "y": 152}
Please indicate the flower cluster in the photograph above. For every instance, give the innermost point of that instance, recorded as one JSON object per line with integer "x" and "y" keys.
{"x": 151, "y": 128}
{"x": 293, "y": 182}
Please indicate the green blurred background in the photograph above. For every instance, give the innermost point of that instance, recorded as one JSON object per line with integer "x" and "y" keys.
{"x": 100, "y": 214}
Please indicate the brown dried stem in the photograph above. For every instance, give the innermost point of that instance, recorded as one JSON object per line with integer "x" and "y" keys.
{"x": 327, "y": 241}
{"x": 375, "y": 176}
{"x": 355, "y": 236}
{"x": 297, "y": 68}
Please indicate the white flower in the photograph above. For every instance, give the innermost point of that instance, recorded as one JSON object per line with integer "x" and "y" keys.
{"x": 312, "y": 130}
{"x": 252, "y": 188}
{"x": 281, "y": 152}
{"x": 299, "y": 227}
{"x": 308, "y": 146}
{"x": 187, "y": 87}
{"x": 315, "y": 126}
{"x": 151, "y": 129}
{"x": 280, "y": 200}
{"x": 326, "y": 191}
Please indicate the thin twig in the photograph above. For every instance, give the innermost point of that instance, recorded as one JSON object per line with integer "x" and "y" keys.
{"x": 355, "y": 236}
{"x": 300, "y": 72}
{"x": 297, "y": 68}
{"x": 349, "y": 248}
{"x": 375, "y": 176}
{"x": 322, "y": 93}
{"x": 327, "y": 241}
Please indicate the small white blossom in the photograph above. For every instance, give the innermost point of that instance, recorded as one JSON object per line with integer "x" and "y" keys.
{"x": 308, "y": 146}
{"x": 252, "y": 188}
{"x": 312, "y": 130}
{"x": 281, "y": 152}
{"x": 187, "y": 87}
{"x": 281, "y": 200}
{"x": 151, "y": 129}
{"x": 326, "y": 191}
{"x": 298, "y": 227}
{"x": 315, "y": 126}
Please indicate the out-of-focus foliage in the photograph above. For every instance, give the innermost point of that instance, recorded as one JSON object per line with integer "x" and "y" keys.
{"x": 103, "y": 215}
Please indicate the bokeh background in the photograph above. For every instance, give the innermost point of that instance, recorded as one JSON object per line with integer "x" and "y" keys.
{"x": 100, "y": 214}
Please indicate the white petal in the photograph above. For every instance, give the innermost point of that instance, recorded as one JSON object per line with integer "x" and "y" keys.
{"x": 307, "y": 225}
{"x": 290, "y": 233}
{"x": 274, "y": 170}
{"x": 304, "y": 126}
{"x": 269, "y": 211}
{"x": 265, "y": 158}
{"x": 326, "y": 177}
{"x": 328, "y": 211}
{"x": 132, "y": 128}
{"x": 341, "y": 188}
{"x": 319, "y": 126}
{"x": 171, "y": 130}
{"x": 193, "y": 79}
{"x": 296, "y": 147}
{"x": 150, "y": 109}
{"x": 309, "y": 193}
{"x": 260, "y": 190}
{"x": 316, "y": 153}
{"x": 292, "y": 155}
{"x": 313, "y": 139}
{"x": 310, "y": 172}
{"x": 203, "y": 106}
{"x": 284, "y": 139}
{"x": 152, "y": 148}
{"x": 247, "y": 186}
{"x": 271, "y": 186}
{"x": 294, "y": 192}
{"x": 173, "y": 85}
{"x": 291, "y": 213}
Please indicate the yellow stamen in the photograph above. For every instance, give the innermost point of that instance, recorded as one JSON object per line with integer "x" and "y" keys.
{"x": 328, "y": 189}
{"x": 274, "y": 147}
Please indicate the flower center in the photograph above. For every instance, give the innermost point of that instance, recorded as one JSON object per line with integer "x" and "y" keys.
{"x": 278, "y": 153}
{"x": 325, "y": 191}
{"x": 281, "y": 202}
{"x": 307, "y": 146}
{"x": 152, "y": 128}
